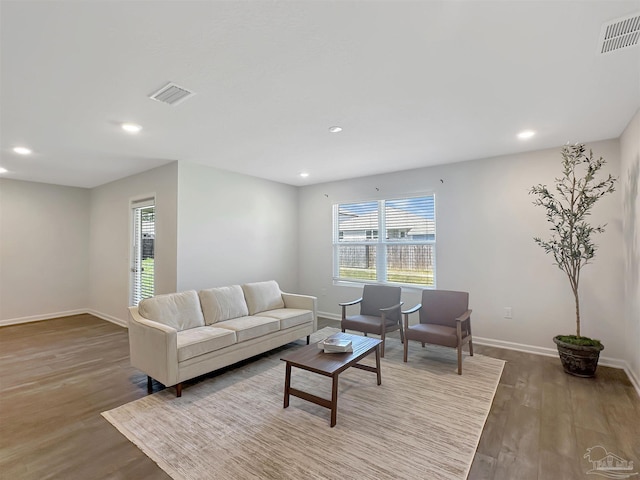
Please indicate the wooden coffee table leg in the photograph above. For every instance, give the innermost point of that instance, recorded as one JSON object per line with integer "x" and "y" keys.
{"x": 334, "y": 400}
{"x": 378, "y": 365}
{"x": 287, "y": 385}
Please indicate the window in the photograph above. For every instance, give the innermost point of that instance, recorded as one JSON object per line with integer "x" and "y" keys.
{"x": 404, "y": 254}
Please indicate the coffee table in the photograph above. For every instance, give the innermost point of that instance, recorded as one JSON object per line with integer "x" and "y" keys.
{"x": 313, "y": 359}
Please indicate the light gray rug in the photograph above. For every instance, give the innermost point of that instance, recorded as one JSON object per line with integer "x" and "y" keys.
{"x": 423, "y": 422}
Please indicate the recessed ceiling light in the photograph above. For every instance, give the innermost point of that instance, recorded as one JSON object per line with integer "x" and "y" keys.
{"x": 22, "y": 150}
{"x": 335, "y": 129}
{"x": 131, "y": 127}
{"x": 3, "y": 170}
{"x": 526, "y": 134}
{"x": 304, "y": 174}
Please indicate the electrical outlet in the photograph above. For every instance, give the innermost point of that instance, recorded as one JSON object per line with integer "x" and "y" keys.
{"x": 508, "y": 312}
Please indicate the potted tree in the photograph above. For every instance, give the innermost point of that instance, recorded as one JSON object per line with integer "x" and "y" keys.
{"x": 567, "y": 207}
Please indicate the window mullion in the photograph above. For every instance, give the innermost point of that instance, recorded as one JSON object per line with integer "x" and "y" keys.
{"x": 381, "y": 247}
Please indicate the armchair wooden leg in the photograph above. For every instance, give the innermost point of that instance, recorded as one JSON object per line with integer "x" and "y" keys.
{"x": 422, "y": 344}
{"x": 179, "y": 390}
{"x": 382, "y": 344}
{"x": 459, "y": 359}
{"x": 308, "y": 339}
{"x": 401, "y": 335}
{"x": 406, "y": 348}
{"x": 470, "y": 347}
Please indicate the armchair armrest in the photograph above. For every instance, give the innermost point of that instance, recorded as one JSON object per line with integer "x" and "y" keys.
{"x": 406, "y": 314}
{"x": 153, "y": 348}
{"x": 412, "y": 309}
{"x": 386, "y": 310}
{"x": 394, "y": 307}
{"x": 464, "y": 316}
{"x": 465, "y": 319}
{"x": 346, "y": 304}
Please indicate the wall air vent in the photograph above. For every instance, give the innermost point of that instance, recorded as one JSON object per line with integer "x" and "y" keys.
{"x": 171, "y": 94}
{"x": 620, "y": 33}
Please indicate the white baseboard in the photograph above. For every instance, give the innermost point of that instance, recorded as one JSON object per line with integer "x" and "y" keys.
{"x": 109, "y": 318}
{"x": 38, "y": 318}
{"x": 330, "y": 316}
{"x": 68, "y": 313}
{"x": 635, "y": 380}
{"x": 549, "y": 352}
{"x": 521, "y": 347}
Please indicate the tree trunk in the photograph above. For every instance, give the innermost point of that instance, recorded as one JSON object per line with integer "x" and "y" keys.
{"x": 575, "y": 293}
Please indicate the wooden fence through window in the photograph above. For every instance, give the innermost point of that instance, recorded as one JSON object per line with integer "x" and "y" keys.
{"x": 399, "y": 257}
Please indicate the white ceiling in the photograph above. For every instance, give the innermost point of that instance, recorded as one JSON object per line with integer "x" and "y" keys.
{"x": 412, "y": 83}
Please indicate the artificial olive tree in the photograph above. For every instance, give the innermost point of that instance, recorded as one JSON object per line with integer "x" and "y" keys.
{"x": 567, "y": 206}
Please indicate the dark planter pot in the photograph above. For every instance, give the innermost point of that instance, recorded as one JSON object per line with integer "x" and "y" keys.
{"x": 578, "y": 360}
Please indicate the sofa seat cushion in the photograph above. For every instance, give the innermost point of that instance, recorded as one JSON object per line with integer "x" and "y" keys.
{"x": 247, "y": 328}
{"x": 223, "y": 303}
{"x": 262, "y": 296}
{"x": 177, "y": 310}
{"x": 201, "y": 340}
{"x": 289, "y": 317}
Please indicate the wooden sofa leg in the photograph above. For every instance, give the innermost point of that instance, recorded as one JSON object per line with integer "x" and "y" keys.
{"x": 149, "y": 384}
{"x": 459, "y": 359}
{"x": 179, "y": 390}
{"x": 308, "y": 339}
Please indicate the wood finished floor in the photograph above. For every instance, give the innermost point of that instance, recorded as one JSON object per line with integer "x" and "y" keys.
{"x": 57, "y": 376}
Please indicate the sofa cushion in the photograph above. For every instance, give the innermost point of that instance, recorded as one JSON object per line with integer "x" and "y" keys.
{"x": 247, "y": 328}
{"x": 223, "y": 303}
{"x": 262, "y": 296}
{"x": 290, "y": 317}
{"x": 201, "y": 340}
{"x": 177, "y": 310}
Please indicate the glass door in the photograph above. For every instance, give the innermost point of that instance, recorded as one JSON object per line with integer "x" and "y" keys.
{"x": 143, "y": 250}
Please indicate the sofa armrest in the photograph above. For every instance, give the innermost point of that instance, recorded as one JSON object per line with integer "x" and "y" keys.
{"x": 153, "y": 348}
{"x": 303, "y": 302}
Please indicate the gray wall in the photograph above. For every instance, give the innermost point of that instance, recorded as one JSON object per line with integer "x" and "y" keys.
{"x": 44, "y": 250}
{"x": 234, "y": 228}
{"x": 630, "y": 187}
{"x": 485, "y": 225}
{"x": 111, "y": 233}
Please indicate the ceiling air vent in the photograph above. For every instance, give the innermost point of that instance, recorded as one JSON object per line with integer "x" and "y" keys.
{"x": 620, "y": 33}
{"x": 172, "y": 94}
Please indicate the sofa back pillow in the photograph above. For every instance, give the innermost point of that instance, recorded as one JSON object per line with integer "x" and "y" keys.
{"x": 223, "y": 303}
{"x": 262, "y": 296}
{"x": 178, "y": 310}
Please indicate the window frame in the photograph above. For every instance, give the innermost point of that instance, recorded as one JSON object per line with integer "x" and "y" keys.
{"x": 381, "y": 243}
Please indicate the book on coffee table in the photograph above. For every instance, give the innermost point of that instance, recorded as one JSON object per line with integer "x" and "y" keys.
{"x": 335, "y": 345}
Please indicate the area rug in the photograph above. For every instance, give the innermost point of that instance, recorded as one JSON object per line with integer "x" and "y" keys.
{"x": 423, "y": 422}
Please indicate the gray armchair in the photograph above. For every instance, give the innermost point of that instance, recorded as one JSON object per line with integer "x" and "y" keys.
{"x": 445, "y": 319}
{"x": 379, "y": 312}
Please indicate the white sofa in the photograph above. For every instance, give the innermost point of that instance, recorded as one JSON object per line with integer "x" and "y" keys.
{"x": 179, "y": 336}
